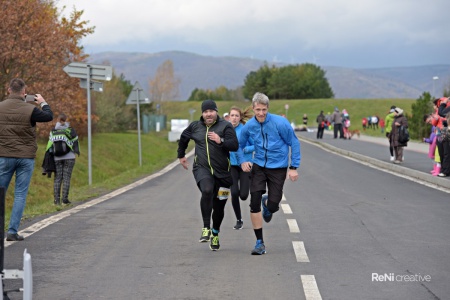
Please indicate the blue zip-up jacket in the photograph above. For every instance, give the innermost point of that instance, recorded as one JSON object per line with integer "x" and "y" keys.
{"x": 248, "y": 149}
{"x": 272, "y": 140}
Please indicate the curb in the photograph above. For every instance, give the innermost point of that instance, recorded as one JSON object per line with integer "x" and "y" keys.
{"x": 434, "y": 180}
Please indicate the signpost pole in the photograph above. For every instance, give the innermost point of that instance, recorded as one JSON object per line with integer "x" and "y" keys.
{"x": 88, "y": 73}
{"x": 139, "y": 127}
{"x": 137, "y": 94}
{"x": 89, "y": 123}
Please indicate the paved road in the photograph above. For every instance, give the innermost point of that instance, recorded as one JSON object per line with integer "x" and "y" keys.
{"x": 374, "y": 150}
{"x": 340, "y": 229}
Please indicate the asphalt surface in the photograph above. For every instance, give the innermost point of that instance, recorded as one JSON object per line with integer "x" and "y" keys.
{"x": 354, "y": 220}
{"x": 375, "y": 150}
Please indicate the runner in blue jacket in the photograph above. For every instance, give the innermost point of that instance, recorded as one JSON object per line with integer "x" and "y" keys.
{"x": 241, "y": 180}
{"x": 273, "y": 138}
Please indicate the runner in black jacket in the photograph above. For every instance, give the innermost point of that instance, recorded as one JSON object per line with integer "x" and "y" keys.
{"x": 214, "y": 139}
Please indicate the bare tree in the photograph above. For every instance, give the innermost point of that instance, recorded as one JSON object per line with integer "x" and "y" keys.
{"x": 164, "y": 86}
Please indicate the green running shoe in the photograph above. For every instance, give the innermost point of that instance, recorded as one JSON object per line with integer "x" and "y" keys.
{"x": 206, "y": 233}
{"x": 214, "y": 243}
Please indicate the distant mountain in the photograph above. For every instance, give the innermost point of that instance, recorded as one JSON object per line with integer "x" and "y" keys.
{"x": 208, "y": 72}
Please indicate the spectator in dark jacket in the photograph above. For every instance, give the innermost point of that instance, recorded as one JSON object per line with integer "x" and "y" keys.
{"x": 320, "y": 124}
{"x": 214, "y": 138}
{"x": 399, "y": 121}
{"x": 336, "y": 118}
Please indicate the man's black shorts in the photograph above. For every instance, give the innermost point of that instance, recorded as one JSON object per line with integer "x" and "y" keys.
{"x": 272, "y": 178}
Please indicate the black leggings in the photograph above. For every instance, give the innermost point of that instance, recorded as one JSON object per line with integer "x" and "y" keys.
{"x": 239, "y": 189}
{"x": 391, "y": 148}
{"x": 210, "y": 203}
{"x": 445, "y": 157}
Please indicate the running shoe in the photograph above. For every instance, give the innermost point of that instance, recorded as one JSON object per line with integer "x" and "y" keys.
{"x": 259, "y": 249}
{"x": 267, "y": 215}
{"x": 239, "y": 224}
{"x": 214, "y": 243}
{"x": 206, "y": 232}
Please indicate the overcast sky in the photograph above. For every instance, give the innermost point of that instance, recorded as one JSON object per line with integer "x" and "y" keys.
{"x": 347, "y": 33}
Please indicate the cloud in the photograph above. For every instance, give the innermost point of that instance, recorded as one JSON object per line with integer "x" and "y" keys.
{"x": 267, "y": 28}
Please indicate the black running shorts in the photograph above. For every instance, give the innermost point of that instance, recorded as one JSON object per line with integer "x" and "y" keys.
{"x": 272, "y": 178}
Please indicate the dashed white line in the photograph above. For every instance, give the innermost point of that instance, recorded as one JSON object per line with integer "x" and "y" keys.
{"x": 300, "y": 251}
{"x": 293, "y": 226}
{"x": 286, "y": 209}
{"x": 308, "y": 281}
{"x": 310, "y": 287}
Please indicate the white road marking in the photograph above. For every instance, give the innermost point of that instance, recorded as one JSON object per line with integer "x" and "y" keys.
{"x": 286, "y": 209}
{"x": 398, "y": 174}
{"x": 283, "y": 198}
{"x": 300, "y": 251}
{"x": 310, "y": 287}
{"x": 293, "y": 226}
{"x": 66, "y": 213}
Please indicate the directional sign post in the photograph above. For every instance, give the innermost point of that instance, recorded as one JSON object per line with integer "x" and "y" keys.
{"x": 95, "y": 85}
{"x": 87, "y": 74}
{"x": 138, "y": 96}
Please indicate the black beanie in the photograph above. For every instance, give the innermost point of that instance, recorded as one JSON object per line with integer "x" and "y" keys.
{"x": 209, "y": 104}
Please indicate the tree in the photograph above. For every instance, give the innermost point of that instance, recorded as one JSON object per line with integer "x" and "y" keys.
{"x": 258, "y": 81}
{"x": 199, "y": 95}
{"x": 417, "y": 127}
{"x": 109, "y": 108}
{"x": 36, "y": 45}
{"x": 281, "y": 83}
{"x": 311, "y": 83}
{"x": 164, "y": 86}
{"x": 219, "y": 94}
{"x": 306, "y": 81}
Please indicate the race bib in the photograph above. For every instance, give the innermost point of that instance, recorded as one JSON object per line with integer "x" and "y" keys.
{"x": 223, "y": 193}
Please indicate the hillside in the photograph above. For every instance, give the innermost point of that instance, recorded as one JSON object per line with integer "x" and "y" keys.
{"x": 208, "y": 72}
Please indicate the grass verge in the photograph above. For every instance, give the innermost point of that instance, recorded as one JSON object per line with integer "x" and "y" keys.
{"x": 115, "y": 163}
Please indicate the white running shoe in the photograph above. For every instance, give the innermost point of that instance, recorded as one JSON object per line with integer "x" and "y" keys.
{"x": 392, "y": 158}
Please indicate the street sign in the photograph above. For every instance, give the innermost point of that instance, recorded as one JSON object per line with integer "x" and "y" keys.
{"x": 95, "y": 85}
{"x": 80, "y": 70}
{"x": 136, "y": 92}
{"x": 138, "y": 96}
{"x": 88, "y": 73}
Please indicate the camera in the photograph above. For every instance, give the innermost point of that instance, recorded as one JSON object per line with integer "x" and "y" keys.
{"x": 30, "y": 98}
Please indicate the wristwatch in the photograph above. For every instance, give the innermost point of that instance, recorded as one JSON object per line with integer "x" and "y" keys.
{"x": 221, "y": 140}
{"x": 292, "y": 168}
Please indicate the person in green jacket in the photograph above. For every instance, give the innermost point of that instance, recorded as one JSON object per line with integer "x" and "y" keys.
{"x": 389, "y": 120}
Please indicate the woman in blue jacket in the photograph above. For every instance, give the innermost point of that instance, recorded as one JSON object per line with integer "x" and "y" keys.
{"x": 241, "y": 179}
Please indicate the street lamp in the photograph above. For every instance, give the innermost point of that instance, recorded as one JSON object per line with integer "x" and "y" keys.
{"x": 434, "y": 79}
